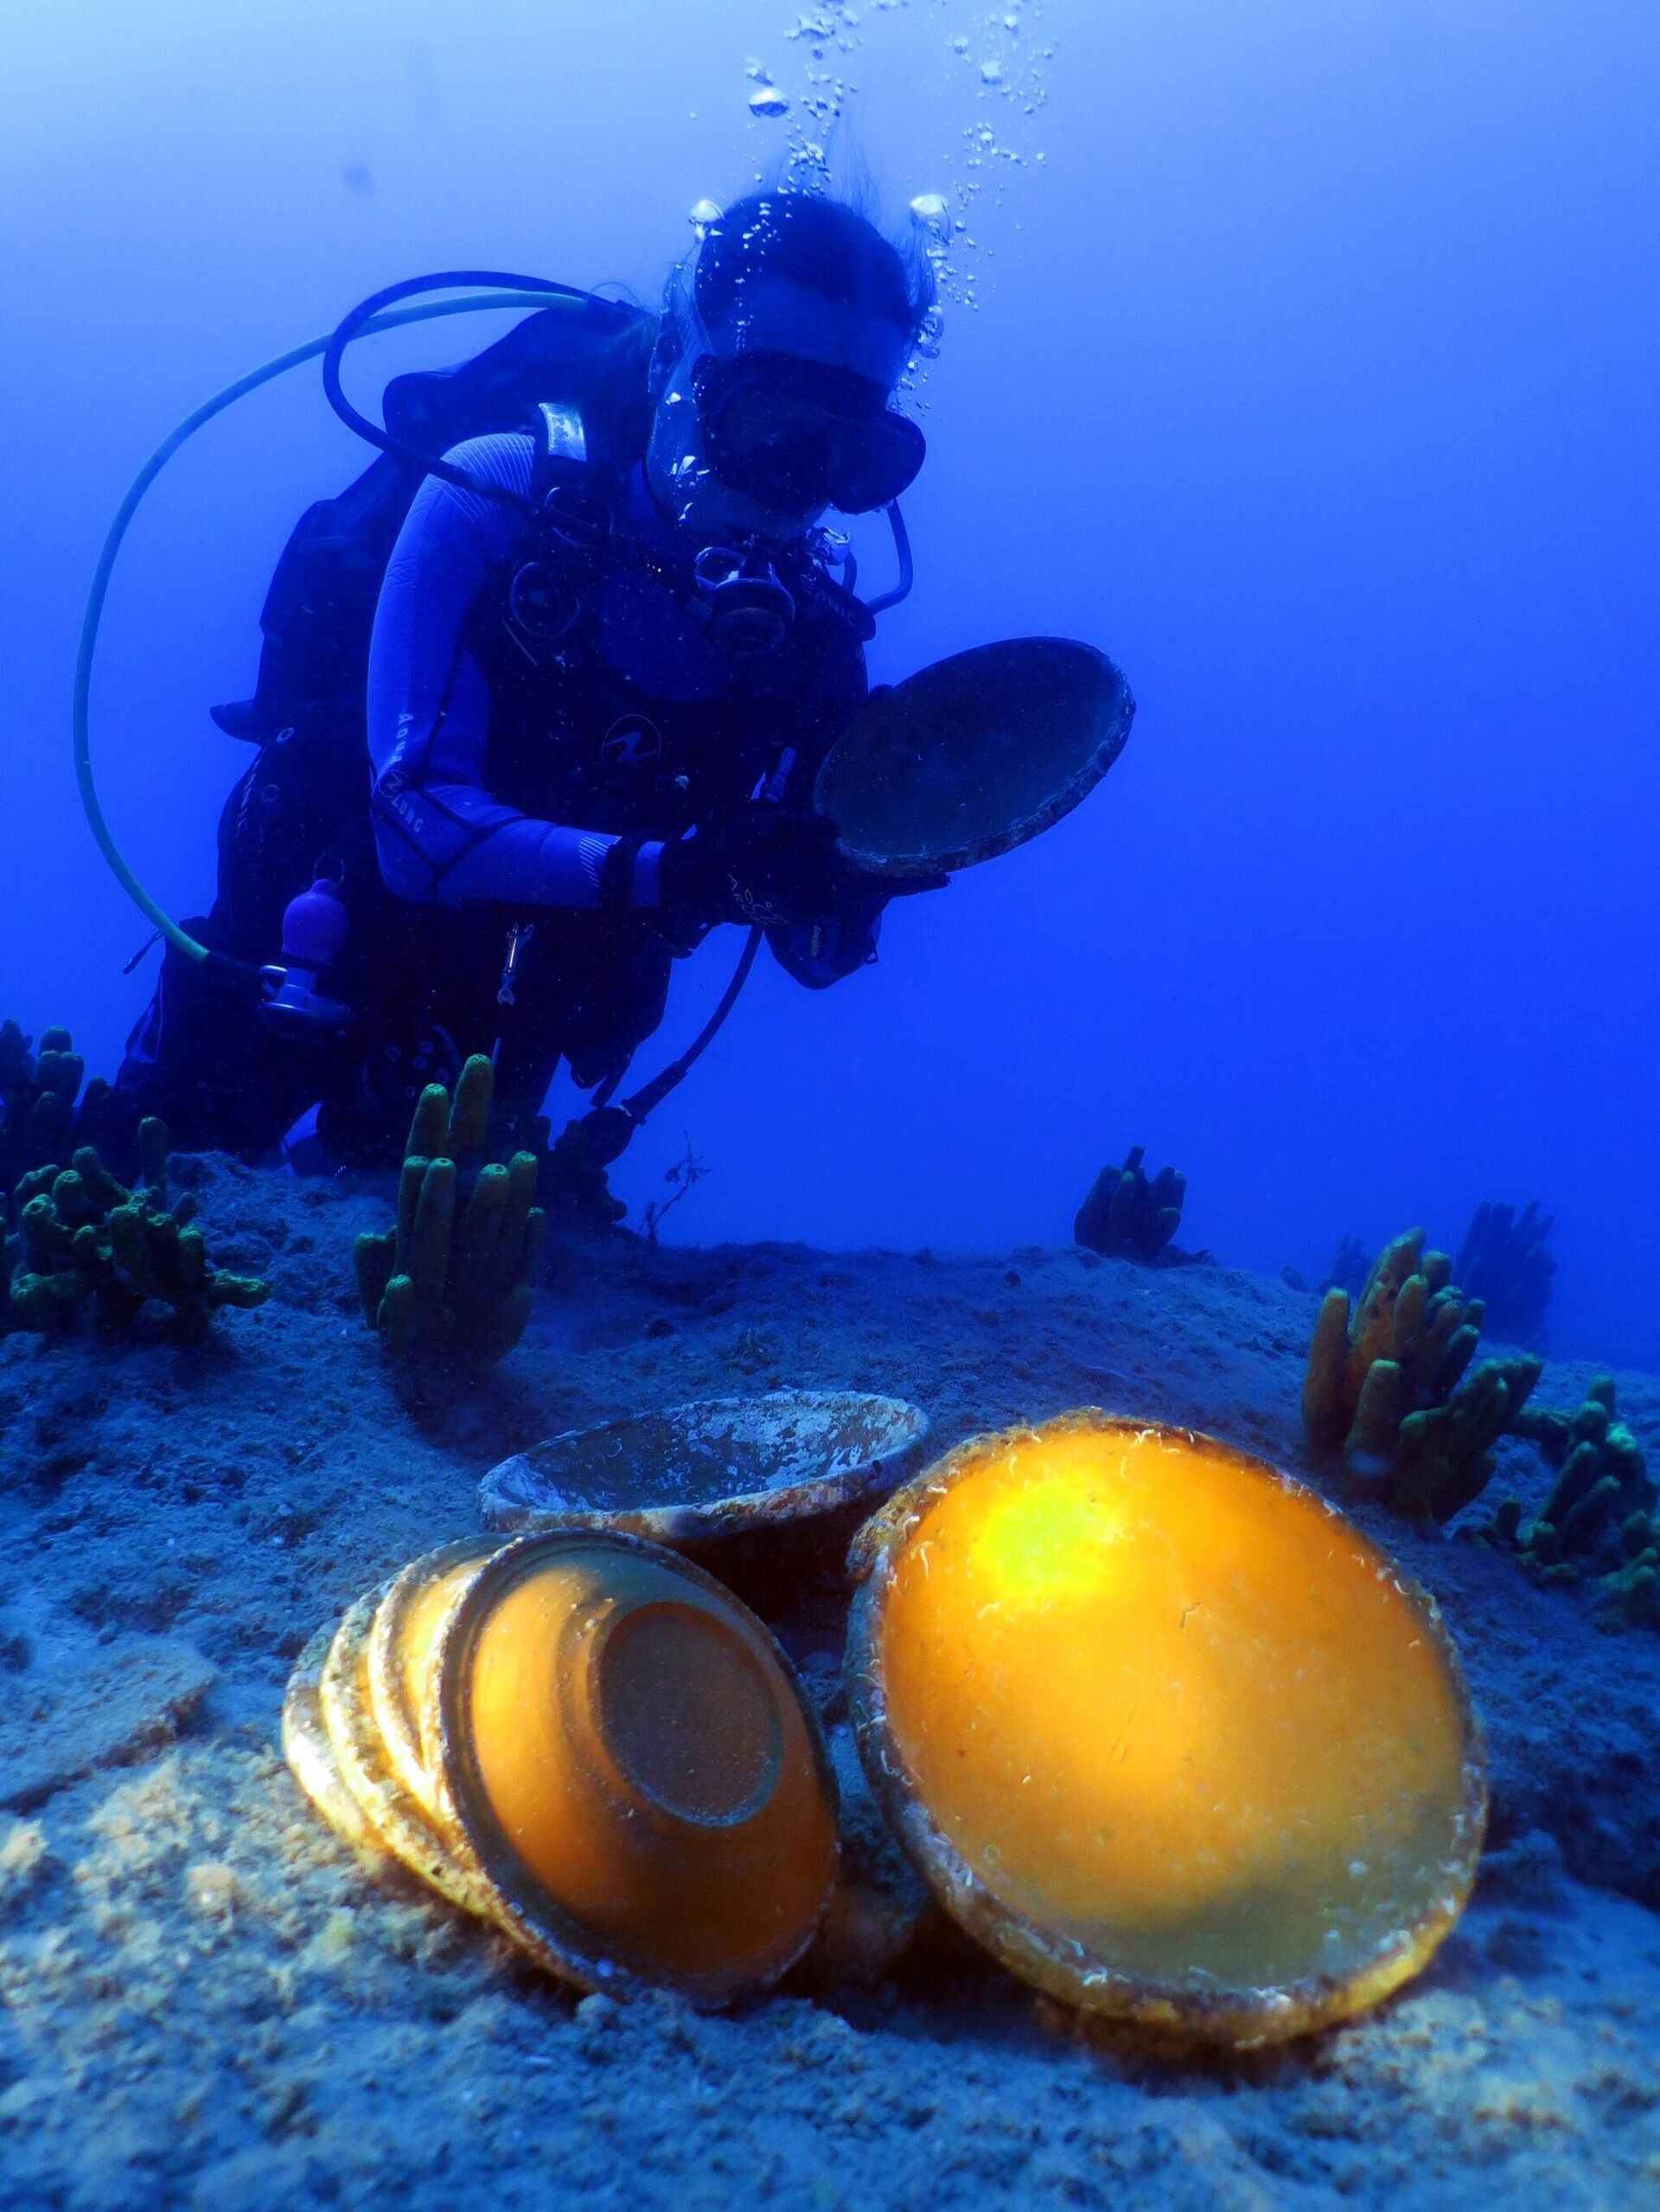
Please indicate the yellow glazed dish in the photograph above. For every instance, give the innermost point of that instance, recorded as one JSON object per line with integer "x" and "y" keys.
{"x": 1163, "y": 1729}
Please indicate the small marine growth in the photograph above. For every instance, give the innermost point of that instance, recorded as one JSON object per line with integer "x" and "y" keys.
{"x": 72, "y": 1235}
{"x": 1129, "y": 1216}
{"x": 1504, "y": 1261}
{"x": 452, "y": 1284}
{"x": 1599, "y": 1515}
{"x": 681, "y": 1177}
{"x": 1390, "y": 1390}
{"x": 1348, "y": 1271}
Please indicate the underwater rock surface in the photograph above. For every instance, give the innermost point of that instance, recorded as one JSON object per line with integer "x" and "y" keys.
{"x": 209, "y": 2000}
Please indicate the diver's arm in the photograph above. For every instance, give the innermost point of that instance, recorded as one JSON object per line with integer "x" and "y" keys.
{"x": 442, "y": 839}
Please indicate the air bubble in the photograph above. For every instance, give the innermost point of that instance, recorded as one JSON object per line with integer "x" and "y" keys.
{"x": 1003, "y": 47}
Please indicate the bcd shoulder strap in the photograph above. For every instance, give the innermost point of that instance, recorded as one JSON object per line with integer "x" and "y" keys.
{"x": 561, "y": 441}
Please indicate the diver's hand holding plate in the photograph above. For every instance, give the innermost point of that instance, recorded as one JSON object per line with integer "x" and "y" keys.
{"x": 769, "y": 865}
{"x": 972, "y": 757}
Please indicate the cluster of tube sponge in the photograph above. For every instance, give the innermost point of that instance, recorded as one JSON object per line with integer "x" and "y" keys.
{"x": 1130, "y": 1214}
{"x": 453, "y": 1282}
{"x": 42, "y": 1114}
{"x": 83, "y": 1238}
{"x": 1599, "y": 1513}
{"x": 1506, "y": 1261}
{"x": 1389, "y": 1389}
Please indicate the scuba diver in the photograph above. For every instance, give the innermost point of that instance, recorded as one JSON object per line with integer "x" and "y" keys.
{"x": 533, "y": 720}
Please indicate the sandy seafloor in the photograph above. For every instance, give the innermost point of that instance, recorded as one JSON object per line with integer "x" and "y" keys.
{"x": 209, "y": 2001}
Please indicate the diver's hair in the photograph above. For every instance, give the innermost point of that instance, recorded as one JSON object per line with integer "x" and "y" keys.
{"x": 824, "y": 245}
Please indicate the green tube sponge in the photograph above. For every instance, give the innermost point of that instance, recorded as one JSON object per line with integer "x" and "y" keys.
{"x": 1628, "y": 1597}
{"x": 1444, "y": 1457}
{"x": 1388, "y": 1389}
{"x": 1326, "y": 1418}
{"x": 451, "y": 1284}
{"x": 1598, "y": 1527}
{"x": 375, "y": 1256}
{"x": 470, "y": 1115}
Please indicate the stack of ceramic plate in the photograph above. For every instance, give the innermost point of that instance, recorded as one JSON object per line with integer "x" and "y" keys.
{"x": 1161, "y": 1728}
{"x": 587, "y": 1741}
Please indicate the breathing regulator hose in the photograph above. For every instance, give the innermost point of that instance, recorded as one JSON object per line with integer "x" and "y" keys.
{"x": 381, "y": 312}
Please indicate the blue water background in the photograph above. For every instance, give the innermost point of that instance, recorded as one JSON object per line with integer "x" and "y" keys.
{"x": 1314, "y": 376}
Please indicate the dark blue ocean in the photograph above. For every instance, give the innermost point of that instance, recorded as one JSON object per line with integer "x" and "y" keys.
{"x": 1303, "y": 357}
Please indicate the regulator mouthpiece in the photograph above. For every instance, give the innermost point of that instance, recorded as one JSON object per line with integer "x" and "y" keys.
{"x": 742, "y": 601}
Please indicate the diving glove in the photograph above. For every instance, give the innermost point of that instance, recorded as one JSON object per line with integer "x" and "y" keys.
{"x": 769, "y": 865}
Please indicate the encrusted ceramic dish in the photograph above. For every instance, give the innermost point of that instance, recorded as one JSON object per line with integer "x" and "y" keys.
{"x": 311, "y": 1754}
{"x": 1163, "y": 1729}
{"x": 396, "y": 1817}
{"x": 411, "y": 1611}
{"x": 973, "y": 755}
{"x": 720, "y": 1467}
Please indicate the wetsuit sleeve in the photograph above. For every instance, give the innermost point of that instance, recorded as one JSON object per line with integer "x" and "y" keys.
{"x": 442, "y": 839}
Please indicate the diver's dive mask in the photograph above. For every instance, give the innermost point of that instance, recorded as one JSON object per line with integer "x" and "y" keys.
{"x": 797, "y": 435}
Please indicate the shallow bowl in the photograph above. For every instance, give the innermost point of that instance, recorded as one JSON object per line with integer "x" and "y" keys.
{"x": 720, "y": 1467}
